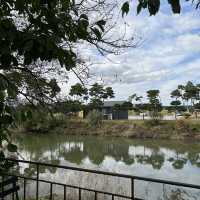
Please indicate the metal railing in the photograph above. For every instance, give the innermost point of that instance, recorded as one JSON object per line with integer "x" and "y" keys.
{"x": 132, "y": 179}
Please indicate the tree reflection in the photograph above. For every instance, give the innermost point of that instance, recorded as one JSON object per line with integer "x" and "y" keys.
{"x": 54, "y": 148}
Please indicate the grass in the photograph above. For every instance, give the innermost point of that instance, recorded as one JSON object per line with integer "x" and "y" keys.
{"x": 172, "y": 129}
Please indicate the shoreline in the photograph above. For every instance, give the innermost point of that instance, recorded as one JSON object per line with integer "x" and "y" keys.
{"x": 138, "y": 129}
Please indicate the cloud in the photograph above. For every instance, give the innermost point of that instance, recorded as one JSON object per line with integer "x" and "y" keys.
{"x": 167, "y": 56}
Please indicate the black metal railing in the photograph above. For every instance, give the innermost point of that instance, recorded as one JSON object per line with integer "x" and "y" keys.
{"x": 80, "y": 189}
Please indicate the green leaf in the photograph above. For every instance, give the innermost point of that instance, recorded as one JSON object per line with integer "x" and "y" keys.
{"x": 20, "y": 5}
{"x": 12, "y": 91}
{"x": 29, "y": 114}
{"x": 12, "y": 147}
{"x": 27, "y": 59}
{"x": 2, "y": 156}
{"x": 125, "y": 8}
{"x": 6, "y": 119}
{"x": 139, "y": 8}
{"x": 1, "y": 107}
{"x": 2, "y": 95}
{"x": 175, "y": 4}
{"x": 97, "y": 33}
{"x": 84, "y": 16}
{"x": 153, "y": 6}
{"x": 23, "y": 116}
{"x": 28, "y": 45}
{"x": 101, "y": 24}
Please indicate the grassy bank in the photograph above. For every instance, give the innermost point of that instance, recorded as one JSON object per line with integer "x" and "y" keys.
{"x": 180, "y": 129}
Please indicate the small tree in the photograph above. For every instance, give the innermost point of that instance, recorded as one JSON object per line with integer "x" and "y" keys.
{"x": 98, "y": 94}
{"x": 175, "y": 105}
{"x": 78, "y": 91}
{"x": 95, "y": 118}
{"x": 155, "y": 105}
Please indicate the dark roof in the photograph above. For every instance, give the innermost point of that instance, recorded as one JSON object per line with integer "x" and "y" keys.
{"x": 112, "y": 103}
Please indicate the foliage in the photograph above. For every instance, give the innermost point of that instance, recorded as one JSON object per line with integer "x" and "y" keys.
{"x": 134, "y": 97}
{"x": 38, "y": 46}
{"x": 186, "y": 115}
{"x": 95, "y": 118}
{"x": 176, "y": 94}
{"x": 154, "y": 106}
{"x": 182, "y": 125}
{"x": 6, "y": 120}
{"x": 41, "y": 123}
{"x": 67, "y": 106}
{"x": 175, "y": 104}
{"x": 152, "y": 122}
{"x": 125, "y": 106}
{"x": 79, "y": 90}
{"x": 153, "y": 6}
{"x": 98, "y": 93}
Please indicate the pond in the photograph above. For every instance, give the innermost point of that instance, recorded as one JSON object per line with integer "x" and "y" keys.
{"x": 163, "y": 159}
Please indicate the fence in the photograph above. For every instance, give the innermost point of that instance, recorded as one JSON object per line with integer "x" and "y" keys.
{"x": 38, "y": 180}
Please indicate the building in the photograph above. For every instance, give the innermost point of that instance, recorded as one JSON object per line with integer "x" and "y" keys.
{"x": 110, "y": 111}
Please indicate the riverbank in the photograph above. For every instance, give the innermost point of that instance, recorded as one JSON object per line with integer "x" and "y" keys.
{"x": 180, "y": 129}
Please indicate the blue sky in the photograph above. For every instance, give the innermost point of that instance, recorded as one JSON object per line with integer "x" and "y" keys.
{"x": 167, "y": 56}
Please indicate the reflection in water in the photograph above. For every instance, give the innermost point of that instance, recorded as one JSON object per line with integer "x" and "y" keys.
{"x": 172, "y": 160}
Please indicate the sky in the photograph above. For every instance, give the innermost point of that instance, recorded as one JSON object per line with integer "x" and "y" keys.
{"x": 167, "y": 54}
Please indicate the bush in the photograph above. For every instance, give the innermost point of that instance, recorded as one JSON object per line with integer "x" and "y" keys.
{"x": 44, "y": 123}
{"x": 182, "y": 125}
{"x": 58, "y": 120}
{"x": 156, "y": 115}
{"x": 94, "y": 118}
{"x": 187, "y": 115}
{"x": 152, "y": 122}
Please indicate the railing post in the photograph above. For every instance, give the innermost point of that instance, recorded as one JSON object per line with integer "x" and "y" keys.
{"x": 37, "y": 181}
{"x": 51, "y": 191}
{"x": 95, "y": 196}
{"x": 79, "y": 194}
{"x": 132, "y": 189}
{"x": 24, "y": 189}
{"x": 64, "y": 192}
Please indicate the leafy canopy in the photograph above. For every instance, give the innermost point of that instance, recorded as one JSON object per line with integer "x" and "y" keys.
{"x": 38, "y": 44}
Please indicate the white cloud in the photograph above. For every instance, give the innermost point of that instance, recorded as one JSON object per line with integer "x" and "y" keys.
{"x": 167, "y": 56}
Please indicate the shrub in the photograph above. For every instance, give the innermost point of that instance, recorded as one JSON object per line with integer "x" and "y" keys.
{"x": 57, "y": 120}
{"x": 186, "y": 115}
{"x": 182, "y": 125}
{"x": 156, "y": 115}
{"x": 94, "y": 118}
{"x": 152, "y": 122}
{"x": 42, "y": 123}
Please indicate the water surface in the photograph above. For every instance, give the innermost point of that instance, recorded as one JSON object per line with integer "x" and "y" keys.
{"x": 163, "y": 159}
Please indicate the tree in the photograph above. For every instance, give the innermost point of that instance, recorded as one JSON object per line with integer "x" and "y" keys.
{"x": 153, "y": 6}
{"x": 127, "y": 106}
{"x": 78, "y": 90}
{"x": 98, "y": 94}
{"x": 176, "y": 94}
{"x": 175, "y": 104}
{"x": 191, "y": 92}
{"x": 154, "y": 103}
{"x": 109, "y": 93}
{"x": 67, "y": 106}
{"x": 38, "y": 45}
{"x": 134, "y": 97}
